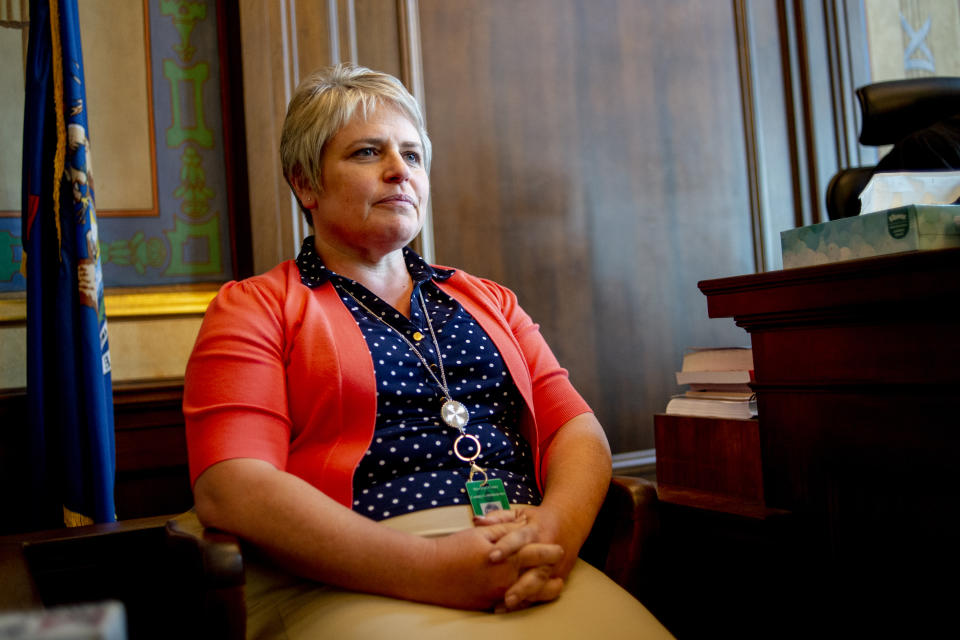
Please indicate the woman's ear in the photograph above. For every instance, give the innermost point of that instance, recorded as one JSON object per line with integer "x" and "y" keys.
{"x": 305, "y": 194}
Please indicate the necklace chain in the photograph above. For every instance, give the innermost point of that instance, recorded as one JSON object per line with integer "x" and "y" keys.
{"x": 453, "y": 413}
{"x": 436, "y": 345}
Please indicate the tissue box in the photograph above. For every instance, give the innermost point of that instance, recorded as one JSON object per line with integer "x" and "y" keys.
{"x": 900, "y": 188}
{"x": 915, "y": 227}
{"x": 92, "y": 621}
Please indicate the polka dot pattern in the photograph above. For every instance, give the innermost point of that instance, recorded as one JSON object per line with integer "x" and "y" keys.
{"x": 410, "y": 464}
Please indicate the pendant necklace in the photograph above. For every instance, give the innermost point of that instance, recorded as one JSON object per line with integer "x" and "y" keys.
{"x": 452, "y": 412}
{"x": 485, "y": 495}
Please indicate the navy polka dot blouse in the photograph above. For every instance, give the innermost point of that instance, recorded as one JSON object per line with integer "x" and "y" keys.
{"x": 410, "y": 464}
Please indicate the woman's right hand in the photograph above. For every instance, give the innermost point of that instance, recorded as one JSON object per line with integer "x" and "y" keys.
{"x": 468, "y": 579}
{"x": 307, "y": 533}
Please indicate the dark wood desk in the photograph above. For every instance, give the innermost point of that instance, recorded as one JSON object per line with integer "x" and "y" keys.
{"x": 857, "y": 378}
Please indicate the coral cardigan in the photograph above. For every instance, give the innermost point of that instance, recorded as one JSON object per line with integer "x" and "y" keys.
{"x": 281, "y": 372}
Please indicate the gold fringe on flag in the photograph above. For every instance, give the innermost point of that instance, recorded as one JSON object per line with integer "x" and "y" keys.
{"x": 74, "y": 519}
{"x": 59, "y": 158}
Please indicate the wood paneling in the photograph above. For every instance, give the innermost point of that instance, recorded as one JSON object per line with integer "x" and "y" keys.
{"x": 590, "y": 155}
{"x": 378, "y": 37}
{"x": 283, "y": 42}
{"x": 266, "y": 82}
{"x": 151, "y": 454}
{"x": 152, "y": 474}
{"x": 714, "y": 455}
{"x": 599, "y": 157}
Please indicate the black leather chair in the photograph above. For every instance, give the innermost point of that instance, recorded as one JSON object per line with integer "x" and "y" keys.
{"x": 894, "y": 112}
{"x": 177, "y": 578}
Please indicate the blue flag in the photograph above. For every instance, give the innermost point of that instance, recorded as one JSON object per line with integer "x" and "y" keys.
{"x": 69, "y": 391}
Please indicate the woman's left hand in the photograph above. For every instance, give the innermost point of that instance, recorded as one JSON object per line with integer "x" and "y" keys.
{"x": 576, "y": 475}
{"x": 537, "y": 583}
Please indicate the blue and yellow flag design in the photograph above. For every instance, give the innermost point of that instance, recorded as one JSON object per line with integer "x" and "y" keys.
{"x": 69, "y": 389}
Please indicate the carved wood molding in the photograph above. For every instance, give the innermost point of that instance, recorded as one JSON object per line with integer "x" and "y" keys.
{"x": 856, "y": 286}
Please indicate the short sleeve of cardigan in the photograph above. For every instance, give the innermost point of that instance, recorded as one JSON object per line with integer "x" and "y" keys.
{"x": 235, "y": 400}
{"x": 555, "y": 400}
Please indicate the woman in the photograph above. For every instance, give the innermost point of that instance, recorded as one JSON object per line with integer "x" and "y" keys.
{"x": 357, "y": 384}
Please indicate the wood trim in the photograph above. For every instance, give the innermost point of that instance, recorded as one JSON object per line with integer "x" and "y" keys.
{"x": 837, "y": 57}
{"x": 797, "y": 91}
{"x": 411, "y": 57}
{"x": 853, "y": 38}
{"x": 842, "y": 76}
{"x": 827, "y": 61}
{"x": 411, "y": 64}
{"x": 234, "y": 139}
{"x": 267, "y": 61}
{"x": 699, "y": 499}
{"x": 804, "y": 117}
{"x": 333, "y": 31}
{"x": 855, "y": 288}
{"x": 752, "y": 143}
{"x": 346, "y": 30}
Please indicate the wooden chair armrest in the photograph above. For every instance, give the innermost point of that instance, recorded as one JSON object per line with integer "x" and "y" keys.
{"x": 123, "y": 561}
{"x": 18, "y": 589}
{"x": 210, "y": 564}
{"x": 217, "y": 555}
{"x": 624, "y": 534}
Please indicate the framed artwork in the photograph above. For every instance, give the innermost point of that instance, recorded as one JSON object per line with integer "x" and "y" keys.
{"x": 912, "y": 38}
{"x": 166, "y": 122}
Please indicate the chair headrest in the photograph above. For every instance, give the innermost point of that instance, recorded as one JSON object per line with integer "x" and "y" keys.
{"x": 896, "y": 108}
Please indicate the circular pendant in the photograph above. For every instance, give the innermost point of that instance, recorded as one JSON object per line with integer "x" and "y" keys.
{"x": 454, "y": 414}
{"x": 468, "y": 457}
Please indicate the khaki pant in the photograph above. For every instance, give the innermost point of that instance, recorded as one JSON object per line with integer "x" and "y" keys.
{"x": 591, "y": 606}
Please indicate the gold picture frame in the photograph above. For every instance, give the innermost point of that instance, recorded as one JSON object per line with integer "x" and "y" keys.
{"x": 124, "y": 304}
{"x": 223, "y": 223}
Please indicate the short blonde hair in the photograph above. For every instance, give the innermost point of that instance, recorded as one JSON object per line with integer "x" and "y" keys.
{"x": 324, "y": 102}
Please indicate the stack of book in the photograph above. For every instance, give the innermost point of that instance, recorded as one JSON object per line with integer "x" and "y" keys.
{"x": 719, "y": 384}
{"x": 708, "y": 446}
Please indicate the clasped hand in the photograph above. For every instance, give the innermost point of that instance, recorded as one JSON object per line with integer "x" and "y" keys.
{"x": 521, "y": 537}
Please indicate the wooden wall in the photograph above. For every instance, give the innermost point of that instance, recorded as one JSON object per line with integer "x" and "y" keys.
{"x": 283, "y": 42}
{"x": 151, "y": 472}
{"x": 599, "y": 172}
{"x": 597, "y": 156}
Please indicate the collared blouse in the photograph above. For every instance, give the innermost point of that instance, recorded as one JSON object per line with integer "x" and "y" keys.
{"x": 410, "y": 464}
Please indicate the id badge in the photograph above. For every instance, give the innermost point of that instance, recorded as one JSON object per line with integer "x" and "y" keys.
{"x": 487, "y": 496}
